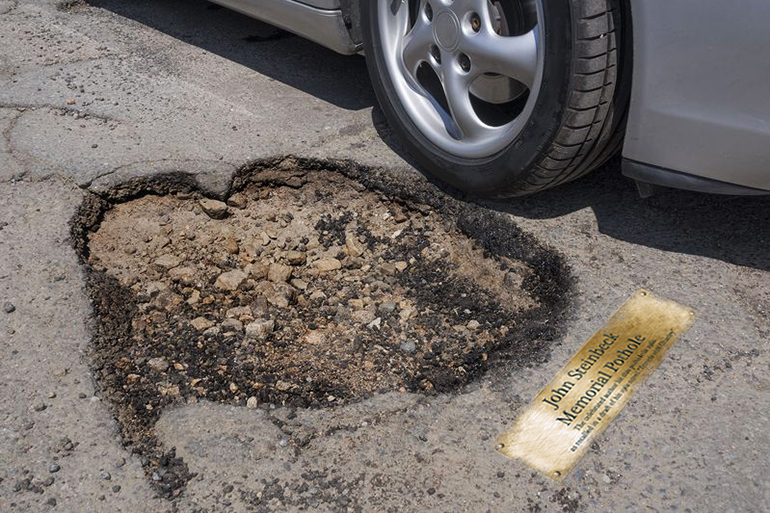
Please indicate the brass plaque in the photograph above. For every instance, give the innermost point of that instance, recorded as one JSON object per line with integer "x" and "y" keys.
{"x": 557, "y": 427}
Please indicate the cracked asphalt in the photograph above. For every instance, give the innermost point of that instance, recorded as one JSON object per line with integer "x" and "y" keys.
{"x": 95, "y": 95}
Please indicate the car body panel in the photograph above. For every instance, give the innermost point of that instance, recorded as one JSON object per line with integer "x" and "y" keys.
{"x": 699, "y": 101}
{"x": 323, "y": 4}
{"x": 320, "y": 21}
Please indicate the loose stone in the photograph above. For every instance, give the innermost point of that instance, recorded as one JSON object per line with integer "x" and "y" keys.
{"x": 232, "y": 325}
{"x": 279, "y": 273}
{"x": 167, "y": 262}
{"x": 352, "y": 246}
{"x": 213, "y": 208}
{"x": 387, "y": 307}
{"x": 259, "y": 330}
{"x": 230, "y": 280}
{"x": 296, "y": 257}
{"x": 238, "y": 201}
{"x": 327, "y": 265}
{"x": 299, "y": 284}
{"x": 201, "y": 323}
{"x": 158, "y": 364}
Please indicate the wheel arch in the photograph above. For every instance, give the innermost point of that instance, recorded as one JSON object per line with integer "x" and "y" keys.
{"x": 351, "y": 14}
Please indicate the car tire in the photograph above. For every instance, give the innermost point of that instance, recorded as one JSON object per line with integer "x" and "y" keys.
{"x": 566, "y": 97}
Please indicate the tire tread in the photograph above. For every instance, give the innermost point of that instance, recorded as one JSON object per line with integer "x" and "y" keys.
{"x": 590, "y": 132}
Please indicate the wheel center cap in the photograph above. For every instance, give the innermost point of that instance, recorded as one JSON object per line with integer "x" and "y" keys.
{"x": 446, "y": 30}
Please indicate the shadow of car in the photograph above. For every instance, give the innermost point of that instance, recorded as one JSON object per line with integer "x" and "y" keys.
{"x": 337, "y": 79}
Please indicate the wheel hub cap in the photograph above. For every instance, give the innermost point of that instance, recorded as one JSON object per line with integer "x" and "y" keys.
{"x": 446, "y": 30}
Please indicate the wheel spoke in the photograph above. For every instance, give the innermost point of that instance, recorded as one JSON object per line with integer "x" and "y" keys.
{"x": 515, "y": 56}
{"x": 480, "y": 6}
{"x": 399, "y": 12}
{"x": 457, "y": 91}
{"x": 417, "y": 45}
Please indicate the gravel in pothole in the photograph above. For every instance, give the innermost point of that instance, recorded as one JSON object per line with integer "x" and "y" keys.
{"x": 308, "y": 291}
{"x": 310, "y": 296}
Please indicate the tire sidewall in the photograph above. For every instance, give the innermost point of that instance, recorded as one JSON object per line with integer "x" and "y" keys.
{"x": 500, "y": 171}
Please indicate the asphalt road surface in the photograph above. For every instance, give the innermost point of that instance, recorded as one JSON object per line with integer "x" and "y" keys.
{"x": 97, "y": 95}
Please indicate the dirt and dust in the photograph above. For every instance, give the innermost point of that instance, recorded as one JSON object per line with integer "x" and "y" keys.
{"x": 304, "y": 289}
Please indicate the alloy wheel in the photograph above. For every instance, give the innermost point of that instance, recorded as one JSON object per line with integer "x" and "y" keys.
{"x": 467, "y": 72}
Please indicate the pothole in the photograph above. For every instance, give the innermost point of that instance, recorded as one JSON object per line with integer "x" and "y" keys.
{"x": 307, "y": 289}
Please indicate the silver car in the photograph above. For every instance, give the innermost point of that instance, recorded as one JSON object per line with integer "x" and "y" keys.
{"x": 509, "y": 97}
